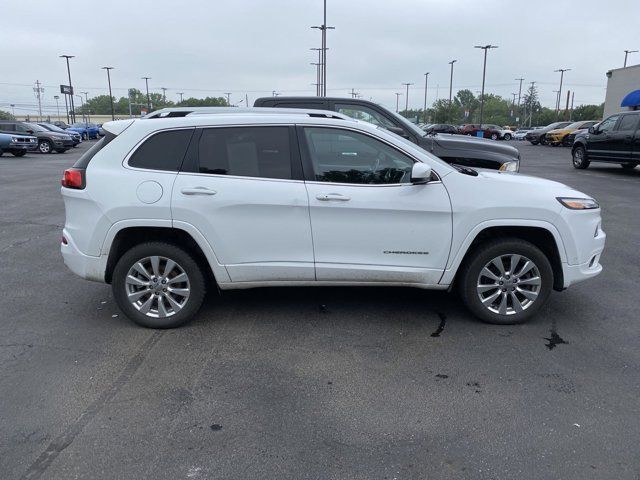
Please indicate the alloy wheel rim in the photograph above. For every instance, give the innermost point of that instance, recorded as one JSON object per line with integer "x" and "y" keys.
{"x": 577, "y": 156}
{"x": 157, "y": 286}
{"x": 509, "y": 284}
{"x": 44, "y": 147}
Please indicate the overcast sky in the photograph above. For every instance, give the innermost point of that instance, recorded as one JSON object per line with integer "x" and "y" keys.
{"x": 206, "y": 48}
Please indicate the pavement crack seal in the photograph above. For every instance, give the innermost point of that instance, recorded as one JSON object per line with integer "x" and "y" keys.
{"x": 57, "y": 445}
{"x": 443, "y": 322}
{"x": 554, "y": 339}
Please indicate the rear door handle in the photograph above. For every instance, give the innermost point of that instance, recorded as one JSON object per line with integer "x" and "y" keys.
{"x": 197, "y": 191}
{"x": 327, "y": 197}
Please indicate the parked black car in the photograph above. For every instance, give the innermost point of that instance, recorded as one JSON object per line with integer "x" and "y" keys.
{"x": 75, "y": 136}
{"x": 459, "y": 150}
{"x": 616, "y": 139}
{"x": 441, "y": 128}
{"x": 538, "y": 135}
{"x": 47, "y": 141}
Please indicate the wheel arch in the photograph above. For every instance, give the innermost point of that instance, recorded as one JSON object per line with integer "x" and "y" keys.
{"x": 541, "y": 234}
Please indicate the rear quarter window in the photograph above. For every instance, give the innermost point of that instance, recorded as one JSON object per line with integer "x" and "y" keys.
{"x": 86, "y": 157}
{"x": 162, "y": 151}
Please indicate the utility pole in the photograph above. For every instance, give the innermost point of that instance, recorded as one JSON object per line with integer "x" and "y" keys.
{"x": 451, "y": 87}
{"x": 57, "y": 105}
{"x": 66, "y": 108}
{"x": 323, "y": 59}
{"x": 626, "y": 53}
{"x": 561, "y": 70}
{"x": 86, "y": 102}
{"x": 426, "y": 84}
{"x": 571, "y": 111}
{"x": 484, "y": 71}
{"x": 531, "y": 109}
{"x": 146, "y": 81}
{"x": 246, "y": 99}
{"x": 13, "y": 109}
{"x": 81, "y": 106}
{"x": 519, "y": 94}
{"x": 181, "y": 94}
{"x": 566, "y": 108}
{"x": 274, "y": 93}
{"x": 38, "y": 91}
{"x": 73, "y": 113}
{"x": 317, "y": 84}
{"x": 113, "y": 115}
{"x": 228, "y": 94}
{"x": 318, "y": 71}
{"x": 513, "y": 105}
{"x": 164, "y": 94}
{"x": 406, "y": 98}
{"x": 354, "y": 94}
{"x": 397, "y": 100}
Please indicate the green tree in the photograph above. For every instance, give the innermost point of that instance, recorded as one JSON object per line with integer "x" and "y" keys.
{"x": 6, "y": 115}
{"x": 588, "y": 112}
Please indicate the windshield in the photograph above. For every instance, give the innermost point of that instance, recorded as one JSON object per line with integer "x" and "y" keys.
{"x": 52, "y": 128}
{"x": 35, "y": 127}
{"x": 413, "y": 147}
{"x": 574, "y": 125}
{"x": 78, "y": 125}
{"x": 413, "y": 128}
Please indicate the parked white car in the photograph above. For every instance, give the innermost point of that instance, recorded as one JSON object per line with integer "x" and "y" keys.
{"x": 521, "y": 133}
{"x": 162, "y": 207}
{"x": 506, "y": 134}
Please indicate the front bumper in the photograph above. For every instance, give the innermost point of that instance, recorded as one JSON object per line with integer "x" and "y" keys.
{"x": 589, "y": 250}
{"x": 22, "y": 146}
{"x": 86, "y": 266}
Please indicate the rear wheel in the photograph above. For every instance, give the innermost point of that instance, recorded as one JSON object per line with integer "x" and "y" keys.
{"x": 158, "y": 285}
{"x": 580, "y": 160}
{"x": 629, "y": 166}
{"x": 45, "y": 146}
{"x": 506, "y": 281}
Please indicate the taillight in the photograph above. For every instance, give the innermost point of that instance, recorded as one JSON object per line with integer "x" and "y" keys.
{"x": 73, "y": 178}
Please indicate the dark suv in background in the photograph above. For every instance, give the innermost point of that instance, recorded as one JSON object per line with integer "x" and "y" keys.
{"x": 441, "y": 128}
{"x": 455, "y": 149}
{"x": 47, "y": 141}
{"x": 616, "y": 140}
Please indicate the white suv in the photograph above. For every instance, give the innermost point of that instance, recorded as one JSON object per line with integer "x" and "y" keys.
{"x": 162, "y": 207}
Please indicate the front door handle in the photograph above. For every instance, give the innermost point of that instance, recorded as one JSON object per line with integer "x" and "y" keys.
{"x": 197, "y": 191}
{"x": 327, "y": 197}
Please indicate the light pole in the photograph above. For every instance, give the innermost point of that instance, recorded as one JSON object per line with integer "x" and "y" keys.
{"x": 164, "y": 94}
{"x": 317, "y": 84}
{"x": 181, "y": 94}
{"x": 451, "y": 87}
{"x": 73, "y": 113}
{"x": 519, "y": 94}
{"x": 406, "y": 98}
{"x": 86, "y": 101}
{"x": 318, "y": 72}
{"x": 626, "y": 53}
{"x": 398, "y": 95}
{"x": 561, "y": 70}
{"x": 486, "y": 48}
{"x": 228, "y": 94}
{"x": 82, "y": 108}
{"x": 146, "y": 81}
{"x": 13, "y": 109}
{"x": 323, "y": 28}
{"x": 57, "y": 105}
{"x": 113, "y": 115}
{"x": 426, "y": 83}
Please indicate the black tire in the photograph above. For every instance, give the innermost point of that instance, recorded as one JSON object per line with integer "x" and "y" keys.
{"x": 629, "y": 166}
{"x": 483, "y": 254}
{"x": 494, "y": 136}
{"x": 45, "y": 146}
{"x": 543, "y": 139}
{"x": 196, "y": 283}
{"x": 580, "y": 159}
{"x": 21, "y": 153}
{"x": 534, "y": 142}
{"x": 85, "y": 136}
{"x": 507, "y": 136}
{"x": 61, "y": 150}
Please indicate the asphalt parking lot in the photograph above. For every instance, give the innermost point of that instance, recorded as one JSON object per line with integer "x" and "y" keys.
{"x": 331, "y": 383}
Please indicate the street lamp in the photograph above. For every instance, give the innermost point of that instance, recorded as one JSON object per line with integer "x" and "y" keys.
{"x": 426, "y": 83}
{"x": 561, "y": 70}
{"x": 398, "y": 95}
{"x": 519, "y": 94}
{"x": 82, "y": 108}
{"x": 627, "y": 52}
{"x": 406, "y": 103}
{"x": 451, "y": 86}
{"x": 73, "y": 113}
{"x": 181, "y": 94}
{"x": 318, "y": 72}
{"x": 57, "y": 105}
{"x": 86, "y": 101}
{"x": 113, "y": 116}
{"x": 323, "y": 28}
{"x": 146, "y": 81}
{"x": 228, "y": 94}
{"x": 484, "y": 71}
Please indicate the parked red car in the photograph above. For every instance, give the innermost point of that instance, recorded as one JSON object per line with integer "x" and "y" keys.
{"x": 489, "y": 131}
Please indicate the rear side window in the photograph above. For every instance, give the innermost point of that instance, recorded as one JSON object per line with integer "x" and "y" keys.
{"x": 246, "y": 152}
{"x": 162, "y": 151}
{"x": 627, "y": 123}
{"x": 86, "y": 157}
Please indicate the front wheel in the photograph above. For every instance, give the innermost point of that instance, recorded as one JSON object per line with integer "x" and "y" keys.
{"x": 158, "y": 285}
{"x": 494, "y": 136}
{"x": 580, "y": 160}
{"x": 506, "y": 281}
{"x": 45, "y": 146}
{"x": 507, "y": 136}
{"x": 629, "y": 166}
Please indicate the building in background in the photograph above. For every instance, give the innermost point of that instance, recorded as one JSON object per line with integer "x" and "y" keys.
{"x": 623, "y": 90}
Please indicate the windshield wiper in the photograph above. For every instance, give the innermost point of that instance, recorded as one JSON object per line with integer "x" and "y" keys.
{"x": 465, "y": 170}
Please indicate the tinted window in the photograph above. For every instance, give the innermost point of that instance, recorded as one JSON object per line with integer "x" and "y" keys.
{"x": 7, "y": 127}
{"x": 343, "y": 156}
{"x": 628, "y": 122}
{"x": 608, "y": 124}
{"x": 162, "y": 151}
{"x": 246, "y": 151}
{"x": 360, "y": 112}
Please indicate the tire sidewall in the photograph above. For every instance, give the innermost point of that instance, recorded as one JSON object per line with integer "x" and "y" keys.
{"x": 485, "y": 253}
{"x": 579, "y": 164}
{"x": 507, "y": 136}
{"x": 196, "y": 282}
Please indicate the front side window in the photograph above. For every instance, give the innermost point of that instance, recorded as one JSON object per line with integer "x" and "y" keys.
{"x": 360, "y": 112}
{"x": 343, "y": 156}
{"x": 246, "y": 152}
{"x": 608, "y": 124}
{"x": 627, "y": 123}
{"x": 162, "y": 151}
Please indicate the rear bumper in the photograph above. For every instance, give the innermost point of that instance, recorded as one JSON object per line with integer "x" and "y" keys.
{"x": 85, "y": 266}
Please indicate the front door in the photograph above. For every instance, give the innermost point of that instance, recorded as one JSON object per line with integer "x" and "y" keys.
{"x": 369, "y": 223}
{"x": 602, "y": 144}
{"x": 244, "y": 192}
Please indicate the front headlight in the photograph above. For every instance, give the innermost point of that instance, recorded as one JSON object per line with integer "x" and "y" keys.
{"x": 578, "y": 203}
{"x": 14, "y": 139}
{"x": 509, "y": 167}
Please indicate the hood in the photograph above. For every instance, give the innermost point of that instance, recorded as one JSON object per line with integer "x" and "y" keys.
{"x": 462, "y": 142}
{"x": 527, "y": 181}
{"x": 559, "y": 131}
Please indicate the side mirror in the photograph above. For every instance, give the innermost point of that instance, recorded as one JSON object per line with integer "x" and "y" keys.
{"x": 593, "y": 130}
{"x": 420, "y": 173}
{"x": 398, "y": 131}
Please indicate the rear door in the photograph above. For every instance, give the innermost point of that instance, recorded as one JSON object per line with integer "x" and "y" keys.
{"x": 242, "y": 188}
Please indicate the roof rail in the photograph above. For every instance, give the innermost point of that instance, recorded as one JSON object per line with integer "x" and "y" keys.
{"x": 194, "y": 111}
